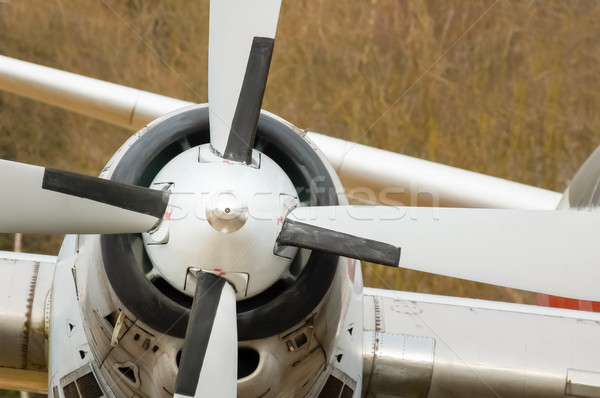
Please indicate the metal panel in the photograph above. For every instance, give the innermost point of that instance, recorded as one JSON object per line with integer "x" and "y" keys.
{"x": 123, "y": 106}
{"x": 581, "y": 383}
{"x": 401, "y": 364}
{"x": 25, "y": 282}
{"x": 392, "y": 179}
{"x": 485, "y": 349}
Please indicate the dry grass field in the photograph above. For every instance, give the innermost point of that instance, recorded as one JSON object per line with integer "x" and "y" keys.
{"x": 507, "y": 88}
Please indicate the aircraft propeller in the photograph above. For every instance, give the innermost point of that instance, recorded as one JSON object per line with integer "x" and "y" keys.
{"x": 241, "y": 37}
{"x": 545, "y": 251}
{"x": 519, "y": 249}
{"x": 42, "y": 200}
{"x": 208, "y": 366}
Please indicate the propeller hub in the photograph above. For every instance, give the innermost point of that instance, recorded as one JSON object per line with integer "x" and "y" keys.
{"x": 227, "y": 211}
{"x": 224, "y": 218}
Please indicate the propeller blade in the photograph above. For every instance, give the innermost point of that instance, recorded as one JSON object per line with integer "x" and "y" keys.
{"x": 208, "y": 366}
{"x": 553, "y": 252}
{"x": 241, "y": 37}
{"x": 41, "y": 200}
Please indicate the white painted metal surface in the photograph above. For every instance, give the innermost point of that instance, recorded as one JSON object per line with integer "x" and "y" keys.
{"x": 523, "y": 249}
{"x": 218, "y": 377}
{"x": 348, "y": 341}
{"x": 485, "y": 304}
{"x": 17, "y": 256}
{"x": 25, "y": 281}
{"x": 69, "y": 348}
{"x": 481, "y": 349}
{"x": 233, "y": 25}
{"x": 120, "y": 105}
{"x": 200, "y": 178}
{"x": 28, "y": 208}
{"x": 392, "y": 179}
{"x": 583, "y": 383}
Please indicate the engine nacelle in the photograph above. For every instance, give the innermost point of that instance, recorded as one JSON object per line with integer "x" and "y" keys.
{"x": 292, "y": 335}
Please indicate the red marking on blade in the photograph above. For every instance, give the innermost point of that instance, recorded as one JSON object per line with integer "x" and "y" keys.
{"x": 168, "y": 215}
{"x": 280, "y": 220}
{"x": 227, "y": 162}
{"x": 222, "y": 273}
{"x": 351, "y": 268}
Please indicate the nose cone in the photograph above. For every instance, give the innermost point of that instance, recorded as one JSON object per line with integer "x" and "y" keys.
{"x": 227, "y": 211}
{"x": 223, "y": 218}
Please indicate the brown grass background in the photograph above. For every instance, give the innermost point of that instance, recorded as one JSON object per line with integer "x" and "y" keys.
{"x": 507, "y": 88}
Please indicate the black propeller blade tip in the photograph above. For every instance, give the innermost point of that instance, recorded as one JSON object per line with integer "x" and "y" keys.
{"x": 294, "y": 233}
{"x": 245, "y": 119}
{"x": 129, "y": 197}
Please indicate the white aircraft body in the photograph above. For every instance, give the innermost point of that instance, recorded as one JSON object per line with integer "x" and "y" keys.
{"x": 217, "y": 255}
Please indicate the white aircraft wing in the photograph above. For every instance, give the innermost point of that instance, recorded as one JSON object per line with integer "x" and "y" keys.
{"x": 393, "y": 179}
{"x": 448, "y": 346}
{"x": 369, "y": 175}
{"x": 25, "y": 281}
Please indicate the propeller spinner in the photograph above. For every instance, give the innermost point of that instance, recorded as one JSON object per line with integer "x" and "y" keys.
{"x": 218, "y": 208}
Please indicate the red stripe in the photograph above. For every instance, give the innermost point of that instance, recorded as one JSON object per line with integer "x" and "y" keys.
{"x": 571, "y": 304}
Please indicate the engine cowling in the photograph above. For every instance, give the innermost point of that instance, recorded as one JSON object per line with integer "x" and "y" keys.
{"x": 278, "y": 316}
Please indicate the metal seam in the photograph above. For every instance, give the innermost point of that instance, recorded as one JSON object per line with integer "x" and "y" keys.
{"x": 27, "y": 325}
